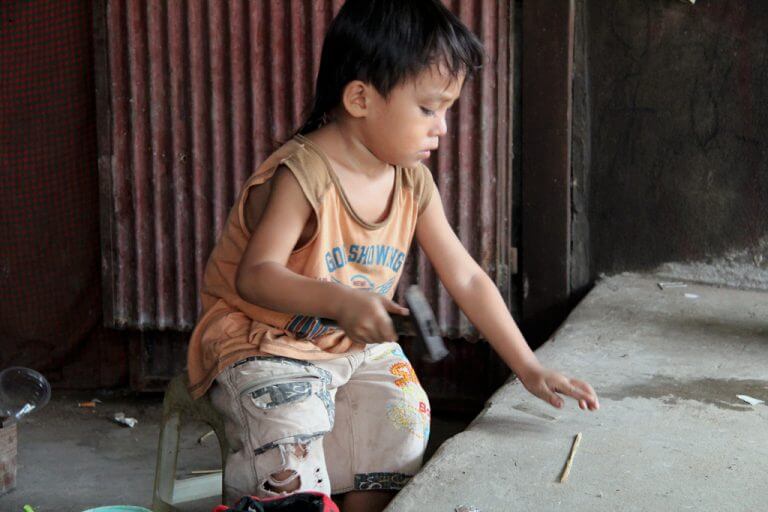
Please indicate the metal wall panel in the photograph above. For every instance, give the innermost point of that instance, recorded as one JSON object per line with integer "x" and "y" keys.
{"x": 197, "y": 93}
{"x": 472, "y": 168}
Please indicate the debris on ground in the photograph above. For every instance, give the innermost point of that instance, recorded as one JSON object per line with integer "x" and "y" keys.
{"x": 204, "y": 437}
{"x": 750, "y": 400}
{"x": 123, "y": 420}
{"x": 569, "y": 462}
{"x": 671, "y": 284}
{"x": 204, "y": 471}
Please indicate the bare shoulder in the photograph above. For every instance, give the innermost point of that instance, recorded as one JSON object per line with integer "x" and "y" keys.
{"x": 281, "y": 191}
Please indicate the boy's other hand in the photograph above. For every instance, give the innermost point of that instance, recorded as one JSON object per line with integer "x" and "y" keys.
{"x": 548, "y": 384}
{"x": 364, "y": 316}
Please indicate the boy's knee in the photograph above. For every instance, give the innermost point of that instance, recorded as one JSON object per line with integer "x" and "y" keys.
{"x": 284, "y": 481}
{"x": 298, "y": 473}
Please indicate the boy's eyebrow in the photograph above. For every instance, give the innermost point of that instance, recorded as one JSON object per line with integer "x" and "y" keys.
{"x": 441, "y": 97}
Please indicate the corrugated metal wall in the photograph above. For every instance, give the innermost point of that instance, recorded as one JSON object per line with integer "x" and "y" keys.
{"x": 198, "y": 93}
{"x": 473, "y": 165}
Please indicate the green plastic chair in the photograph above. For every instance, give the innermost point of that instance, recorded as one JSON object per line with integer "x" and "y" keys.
{"x": 179, "y": 408}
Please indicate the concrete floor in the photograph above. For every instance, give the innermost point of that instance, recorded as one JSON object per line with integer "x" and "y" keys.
{"x": 671, "y": 433}
{"x": 72, "y": 459}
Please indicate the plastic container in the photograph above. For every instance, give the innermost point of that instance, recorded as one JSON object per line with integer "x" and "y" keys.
{"x": 22, "y": 390}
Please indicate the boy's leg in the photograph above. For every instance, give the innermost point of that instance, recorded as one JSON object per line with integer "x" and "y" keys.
{"x": 366, "y": 501}
{"x": 276, "y": 412}
{"x": 382, "y": 427}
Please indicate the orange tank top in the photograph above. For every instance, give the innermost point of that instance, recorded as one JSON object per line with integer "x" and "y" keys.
{"x": 344, "y": 248}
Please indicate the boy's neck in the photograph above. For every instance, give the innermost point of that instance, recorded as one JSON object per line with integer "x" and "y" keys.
{"x": 342, "y": 144}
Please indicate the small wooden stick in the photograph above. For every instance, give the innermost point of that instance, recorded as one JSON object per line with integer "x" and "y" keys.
{"x": 569, "y": 462}
{"x": 204, "y": 437}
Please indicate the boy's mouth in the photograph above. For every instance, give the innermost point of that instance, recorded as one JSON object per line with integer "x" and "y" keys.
{"x": 424, "y": 153}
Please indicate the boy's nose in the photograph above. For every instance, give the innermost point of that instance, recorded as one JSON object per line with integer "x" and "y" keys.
{"x": 441, "y": 127}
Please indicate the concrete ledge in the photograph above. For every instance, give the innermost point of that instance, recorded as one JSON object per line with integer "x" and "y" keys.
{"x": 671, "y": 433}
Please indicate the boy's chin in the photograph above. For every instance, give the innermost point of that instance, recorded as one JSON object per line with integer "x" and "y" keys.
{"x": 416, "y": 161}
{"x": 412, "y": 161}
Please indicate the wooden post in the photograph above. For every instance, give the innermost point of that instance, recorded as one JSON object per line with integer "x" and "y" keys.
{"x": 548, "y": 28}
{"x": 8, "y": 448}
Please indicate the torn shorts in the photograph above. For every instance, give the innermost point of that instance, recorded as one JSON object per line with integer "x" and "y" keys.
{"x": 358, "y": 422}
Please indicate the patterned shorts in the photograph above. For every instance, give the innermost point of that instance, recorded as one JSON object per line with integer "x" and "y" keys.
{"x": 358, "y": 422}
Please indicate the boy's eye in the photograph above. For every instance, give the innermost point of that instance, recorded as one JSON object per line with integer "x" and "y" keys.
{"x": 427, "y": 111}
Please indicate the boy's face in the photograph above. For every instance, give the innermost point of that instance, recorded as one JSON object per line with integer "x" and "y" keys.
{"x": 405, "y": 127}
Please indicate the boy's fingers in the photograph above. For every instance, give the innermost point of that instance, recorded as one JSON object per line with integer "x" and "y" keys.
{"x": 551, "y": 397}
{"x": 584, "y": 387}
{"x": 591, "y": 396}
{"x": 387, "y": 329}
{"x": 394, "y": 307}
{"x": 391, "y": 333}
{"x": 568, "y": 387}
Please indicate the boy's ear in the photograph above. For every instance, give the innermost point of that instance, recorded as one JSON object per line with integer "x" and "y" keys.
{"x": 356, "y": 98}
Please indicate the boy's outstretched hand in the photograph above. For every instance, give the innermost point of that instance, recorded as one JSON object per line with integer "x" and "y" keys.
{"x": 547, "y": 384}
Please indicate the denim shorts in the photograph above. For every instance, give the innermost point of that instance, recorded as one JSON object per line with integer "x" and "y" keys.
{"x": 357, "y": 422}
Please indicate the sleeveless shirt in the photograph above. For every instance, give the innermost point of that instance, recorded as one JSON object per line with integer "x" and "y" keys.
{"x": 344, "y": 248}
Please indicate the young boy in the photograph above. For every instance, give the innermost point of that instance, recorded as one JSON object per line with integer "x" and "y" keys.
{"x": 321, "y": 230}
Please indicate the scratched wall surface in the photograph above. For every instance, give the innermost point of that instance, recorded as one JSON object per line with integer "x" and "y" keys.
{"x": 676, "y": 156}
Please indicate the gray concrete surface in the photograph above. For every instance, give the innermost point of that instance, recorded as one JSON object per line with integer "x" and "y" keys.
{"x": 670, "y": 435}
{"x": 72, "y": 459}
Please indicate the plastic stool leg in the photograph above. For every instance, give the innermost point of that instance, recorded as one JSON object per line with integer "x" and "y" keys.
{"x": 165, "y": 471}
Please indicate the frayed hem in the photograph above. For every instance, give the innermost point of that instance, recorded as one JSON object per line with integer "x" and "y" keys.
{"x": 381, "y": 481}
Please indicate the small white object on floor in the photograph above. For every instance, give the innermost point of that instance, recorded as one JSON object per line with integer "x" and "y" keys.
{"x": 691, "y": 296}
{"x": 128, "y": 422}
{"x": 750, "y": 400}
{"x": 205, "y": 436}
{"x": 467, "y": 508}
{"x": 671, "y": 284}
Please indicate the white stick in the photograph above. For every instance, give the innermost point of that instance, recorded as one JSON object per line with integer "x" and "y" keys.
{"x": 204, "y": 437}
{"x": 569, "y": 462}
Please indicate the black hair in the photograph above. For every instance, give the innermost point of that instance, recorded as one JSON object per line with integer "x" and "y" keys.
{"x": 386, "y": 42}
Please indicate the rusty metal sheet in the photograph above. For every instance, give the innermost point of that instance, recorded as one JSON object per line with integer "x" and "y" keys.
{"x": 197, "y": 93}
{"x": 472, "y": 168}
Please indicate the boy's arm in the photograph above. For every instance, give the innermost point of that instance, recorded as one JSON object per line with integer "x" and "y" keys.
{"x": 480, "y": 300}
{"x": 262, "y": 277}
